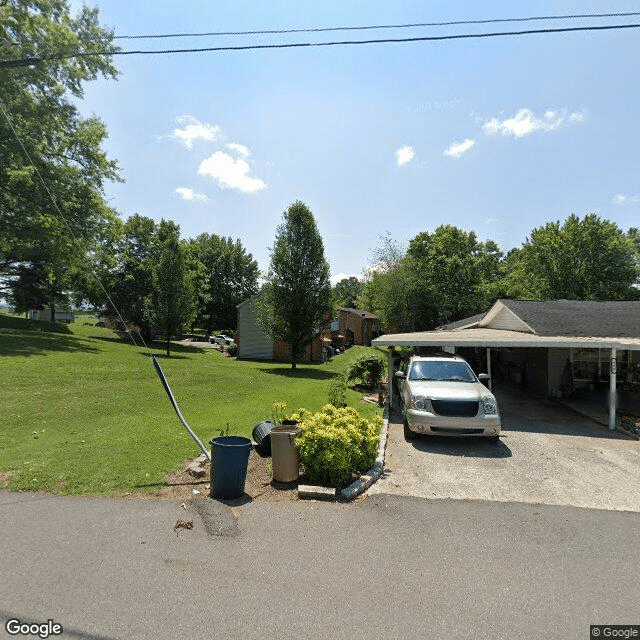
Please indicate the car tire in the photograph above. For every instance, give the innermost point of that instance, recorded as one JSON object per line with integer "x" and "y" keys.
{"x": 408, "y": 434}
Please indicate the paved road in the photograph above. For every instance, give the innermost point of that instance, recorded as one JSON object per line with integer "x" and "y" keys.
{"x": 386, "y": 567}
{"x": 547, "y": 455}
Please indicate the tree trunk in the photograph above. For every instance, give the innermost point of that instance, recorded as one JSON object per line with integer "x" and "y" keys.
{"x": 293, "y": 363}
{"x": 168, "y": 347}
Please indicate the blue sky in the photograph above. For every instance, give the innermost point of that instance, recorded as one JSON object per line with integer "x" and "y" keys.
{"x": 492, "y": 135}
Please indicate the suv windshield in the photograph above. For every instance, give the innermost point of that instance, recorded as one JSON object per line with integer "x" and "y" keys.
{"x": 434, "y": 370}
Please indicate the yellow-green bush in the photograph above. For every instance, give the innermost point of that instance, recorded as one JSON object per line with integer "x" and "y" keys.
{"x": 334, "y": 442}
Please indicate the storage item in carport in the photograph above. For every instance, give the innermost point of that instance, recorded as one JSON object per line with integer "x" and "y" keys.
{"x": 262, "y": 436}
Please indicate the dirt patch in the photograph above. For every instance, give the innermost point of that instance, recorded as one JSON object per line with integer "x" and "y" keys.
{"x": 5, "y": 477}
{"x": 258, "y": 486}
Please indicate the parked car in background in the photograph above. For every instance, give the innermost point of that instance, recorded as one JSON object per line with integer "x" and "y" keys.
{"x": 221, "y": 340}
{"x": 441, "y": 395}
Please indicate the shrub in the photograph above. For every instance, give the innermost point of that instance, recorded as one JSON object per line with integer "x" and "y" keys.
{"x": 338, "y": 392}
{"x": 369, "y": 368}
{"x": 232, "y": 350}
{"x": 334, "y": 442}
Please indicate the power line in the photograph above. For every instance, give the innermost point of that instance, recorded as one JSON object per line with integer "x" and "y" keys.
{"x": 85, "y": 54}
{"x": 377, "y": 26}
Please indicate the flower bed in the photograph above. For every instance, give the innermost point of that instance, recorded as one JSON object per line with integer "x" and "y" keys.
{"x": 335, "y": 443}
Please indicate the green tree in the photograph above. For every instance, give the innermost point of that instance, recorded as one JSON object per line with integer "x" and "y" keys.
{"x": 226, "y": 274}
{"x": 588, "y": 259}
{"x": 44, "y": 141}
{"x": 170, "y": 307}
{"x": 346, "y": 292}
{"x": 296, "y": 301}
{"x": 444, "y": 276}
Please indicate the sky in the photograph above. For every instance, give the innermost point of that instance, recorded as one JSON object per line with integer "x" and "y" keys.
{"x": 493, "y": 135}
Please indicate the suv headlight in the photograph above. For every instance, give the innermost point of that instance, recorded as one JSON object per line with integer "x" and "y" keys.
{"x": 420, "y": 403}
{"x": 490, "y": 405}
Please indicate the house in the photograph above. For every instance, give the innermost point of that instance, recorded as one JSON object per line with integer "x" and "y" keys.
{"x": 356, "y": 326}
{"x": 61, "y": 315}
{"x": 254, "y": 343}
{"x": 555, "y": 347}
{"x": 561, "y": 371}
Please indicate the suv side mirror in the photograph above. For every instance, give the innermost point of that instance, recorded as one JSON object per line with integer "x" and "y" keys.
{"x": 483, "y": 377}
{"x": 399, "y": 374}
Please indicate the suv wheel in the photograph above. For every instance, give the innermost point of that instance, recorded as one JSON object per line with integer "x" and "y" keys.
{"x": 408, "y": 434}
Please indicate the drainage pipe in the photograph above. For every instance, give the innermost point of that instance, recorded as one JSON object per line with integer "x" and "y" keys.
{"x": 165, "y": 384}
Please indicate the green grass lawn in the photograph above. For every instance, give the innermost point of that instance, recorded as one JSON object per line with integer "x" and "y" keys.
{"x": 83, "y": 411}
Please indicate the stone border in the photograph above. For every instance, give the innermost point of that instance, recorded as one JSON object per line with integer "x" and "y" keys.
{"x": 366, "y": 480}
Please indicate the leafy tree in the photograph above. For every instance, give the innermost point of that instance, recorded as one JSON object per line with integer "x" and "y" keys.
{"x": 296, "y": 301}
{"x": 170, "y": 307}
{"x": 226, "y": 274}
{"x": 346, "y": 292}
{"x": 44, "y": 141}
{"x": 444, "y": 276}
{"x": 588, "y": 259}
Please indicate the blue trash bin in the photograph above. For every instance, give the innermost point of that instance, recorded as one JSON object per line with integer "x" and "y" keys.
{"x": 229, "y": 462}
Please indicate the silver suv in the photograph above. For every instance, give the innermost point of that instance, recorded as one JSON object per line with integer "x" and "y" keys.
{"x": 441, "y": 395}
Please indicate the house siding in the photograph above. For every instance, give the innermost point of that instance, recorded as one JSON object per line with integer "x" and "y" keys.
{"x": 557, "y": 361}
{"x": 254, "y": 343}
{"x": 364, "y": 329}
{"x": 506, "y": 319}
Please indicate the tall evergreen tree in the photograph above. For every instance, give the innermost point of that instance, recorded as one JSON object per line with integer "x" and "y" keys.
{"x": 296, "y": 301}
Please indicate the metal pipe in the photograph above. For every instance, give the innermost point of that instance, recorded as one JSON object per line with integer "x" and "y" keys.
{"x": 167, "y": 388}
{"x": 613, "y": 393}
{"x": 390, "y": 378}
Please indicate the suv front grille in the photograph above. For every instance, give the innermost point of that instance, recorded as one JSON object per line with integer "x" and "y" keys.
{"x": 455, "y": 408}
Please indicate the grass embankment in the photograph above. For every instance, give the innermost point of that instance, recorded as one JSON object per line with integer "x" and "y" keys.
{"x": 83, "y": 412}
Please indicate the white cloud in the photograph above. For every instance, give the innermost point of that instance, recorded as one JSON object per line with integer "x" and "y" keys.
{"x": 404, "y": 155}
{"x": 525, "y": 122}
{"x": 458, "y": 149}
{"x": 622, "y": 200}
{"x": 189, "y": 194}
{"x": 230, "y": 173}
{"x": 240, "y": 149}
{"x": 491, "y": 220}
{"x": 341, "y": 276}
{"x": 194, "y": 130}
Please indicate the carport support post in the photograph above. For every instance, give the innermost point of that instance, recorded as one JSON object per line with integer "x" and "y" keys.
{"x": 489, "y": 368}
{"x": 390, "y": 383}
{"x": 613, "y": 394}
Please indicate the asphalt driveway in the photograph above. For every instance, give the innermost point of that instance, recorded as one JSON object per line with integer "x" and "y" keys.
{"x": 546, "y": 455}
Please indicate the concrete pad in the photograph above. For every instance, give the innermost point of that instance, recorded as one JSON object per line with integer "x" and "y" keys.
{"x": 218, "y": 518}
{"x": 547, "y": 455}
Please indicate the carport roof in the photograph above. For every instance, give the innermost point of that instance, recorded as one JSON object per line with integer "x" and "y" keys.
{"x": 482, "y": 337}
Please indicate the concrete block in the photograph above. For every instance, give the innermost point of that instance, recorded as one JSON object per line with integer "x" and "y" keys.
{"x": 310, "y": 491}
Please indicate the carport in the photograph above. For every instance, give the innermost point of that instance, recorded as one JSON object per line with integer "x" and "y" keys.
{"x": 449, "y": 340}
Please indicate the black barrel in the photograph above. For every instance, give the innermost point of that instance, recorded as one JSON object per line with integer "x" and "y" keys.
{"x": 262, "y": 435}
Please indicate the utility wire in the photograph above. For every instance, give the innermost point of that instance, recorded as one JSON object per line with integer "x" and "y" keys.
{"x": 378, "y": 26}
{"x": 69, "y": 229}
{"x": 85, "y": 54}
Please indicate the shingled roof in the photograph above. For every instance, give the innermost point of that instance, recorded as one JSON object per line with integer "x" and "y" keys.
{"x": 359, "y": 312}
{"x": 577, "y": 318}
{"x": 581, "y": 318}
